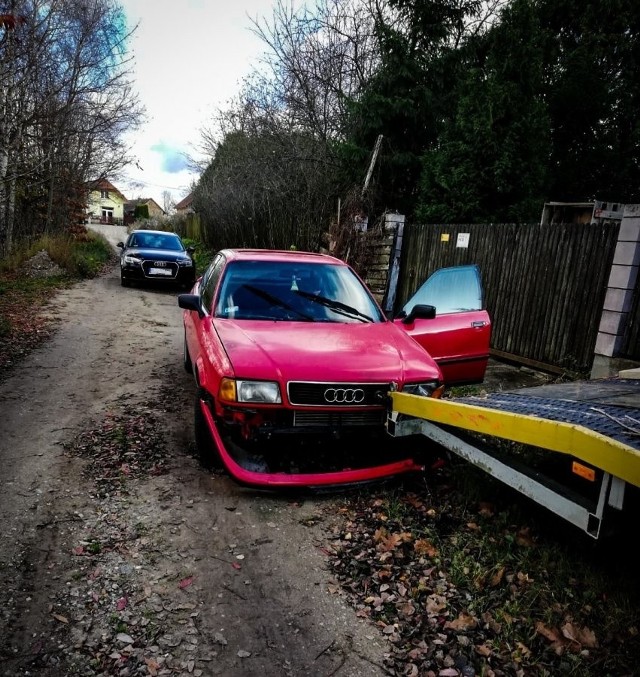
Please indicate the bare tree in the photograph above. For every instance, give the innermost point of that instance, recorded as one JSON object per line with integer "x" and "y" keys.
{"x": 272, "y": 171}
{"x": 66, "y": 102}
{"x": 168, "y": 203}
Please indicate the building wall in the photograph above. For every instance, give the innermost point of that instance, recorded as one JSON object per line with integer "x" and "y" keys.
{"x": 96, "y": 203}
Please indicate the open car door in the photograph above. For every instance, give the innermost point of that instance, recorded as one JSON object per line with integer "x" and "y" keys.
{"x": 457, "y": 331}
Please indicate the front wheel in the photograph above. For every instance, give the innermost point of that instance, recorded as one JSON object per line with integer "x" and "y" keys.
{"x": 205, "y": 446}
{"x": 123, "y": 281}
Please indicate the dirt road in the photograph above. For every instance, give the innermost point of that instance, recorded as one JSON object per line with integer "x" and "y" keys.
{"x": 119, "y": 554}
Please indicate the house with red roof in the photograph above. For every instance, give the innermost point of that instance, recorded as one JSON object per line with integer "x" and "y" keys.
{"x": 105, "y": 203}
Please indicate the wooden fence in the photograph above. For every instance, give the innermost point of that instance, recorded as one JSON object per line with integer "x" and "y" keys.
{"x": 544, "y": 284}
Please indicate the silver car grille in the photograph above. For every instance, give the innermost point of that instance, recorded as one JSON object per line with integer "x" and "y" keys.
{"x": 352, "y": 395}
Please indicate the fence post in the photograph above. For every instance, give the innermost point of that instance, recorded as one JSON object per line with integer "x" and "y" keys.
{"x": 620, "y": 288}
{"x": 393, "y": 222}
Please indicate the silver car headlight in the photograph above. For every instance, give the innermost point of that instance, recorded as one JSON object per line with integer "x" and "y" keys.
{"x": 132, "y": 260}
{"x": 250, "y": 392}
{"x": 187, "y": 263}
{"x": 426, "y": 389}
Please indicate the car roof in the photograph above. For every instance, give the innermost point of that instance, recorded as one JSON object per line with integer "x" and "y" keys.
{"x": 154, "y": 232}
{"x": 279, "y": 256}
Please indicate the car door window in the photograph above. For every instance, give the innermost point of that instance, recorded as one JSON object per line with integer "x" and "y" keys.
{"x": 450, "y": 290}
{"x": 210, "y": 281}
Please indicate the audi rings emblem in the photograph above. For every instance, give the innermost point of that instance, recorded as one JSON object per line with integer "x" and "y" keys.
{"x": 344, "y": 395}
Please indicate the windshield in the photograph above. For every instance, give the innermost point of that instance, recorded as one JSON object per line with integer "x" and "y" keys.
{"x": 299, "y": 292}
{"x": 155, "y": 241}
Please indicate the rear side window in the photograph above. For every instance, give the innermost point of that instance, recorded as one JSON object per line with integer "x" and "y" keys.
{"x": 450, "y": 290}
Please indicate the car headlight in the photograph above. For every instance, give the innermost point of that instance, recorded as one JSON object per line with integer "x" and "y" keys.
{"x": 257, "y": 392}
{"x": 132, "y": 260}
{"x": 187, "y": 263}
{"x": 426, "y": 389}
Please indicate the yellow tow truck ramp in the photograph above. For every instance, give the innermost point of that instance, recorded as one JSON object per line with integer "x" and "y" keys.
{"x": 589, "y": 428}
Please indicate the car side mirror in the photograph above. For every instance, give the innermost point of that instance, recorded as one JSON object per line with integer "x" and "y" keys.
{"x": 120, "y": 245}
{"x": 191, "y": 302}
{"x": 420, "y": 311}
{"x": 191, "y": 250}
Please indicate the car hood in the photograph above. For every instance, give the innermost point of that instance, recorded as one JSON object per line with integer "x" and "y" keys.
{"x": 156, "y": 254}
{"x": 320, "y": 351}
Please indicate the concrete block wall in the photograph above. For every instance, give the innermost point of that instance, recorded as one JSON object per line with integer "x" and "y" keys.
{"x": 621, "y": 285}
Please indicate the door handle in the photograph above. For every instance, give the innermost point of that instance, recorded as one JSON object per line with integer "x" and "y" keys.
{"x": 478, "y": 323}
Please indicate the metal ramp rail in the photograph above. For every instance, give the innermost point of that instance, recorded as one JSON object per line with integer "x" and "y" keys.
{"x": 595, "y": 424}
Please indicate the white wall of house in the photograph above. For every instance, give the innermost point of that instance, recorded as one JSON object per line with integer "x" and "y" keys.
{"x": 100, "y": 207}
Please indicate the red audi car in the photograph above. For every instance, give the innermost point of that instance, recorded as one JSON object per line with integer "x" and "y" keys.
{"x": 293, "y": 360}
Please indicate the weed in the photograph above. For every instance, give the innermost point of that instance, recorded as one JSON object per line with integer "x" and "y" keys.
{"x": 140, "y": 529}
{"x": 94, "y": 547}
{"x": 202, "y": 254}
{"x": 118, "y": 624}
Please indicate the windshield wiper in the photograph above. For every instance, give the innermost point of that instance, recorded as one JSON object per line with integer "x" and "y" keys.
{"x": 274, "y": 300}
{"x": 336, "y": 306}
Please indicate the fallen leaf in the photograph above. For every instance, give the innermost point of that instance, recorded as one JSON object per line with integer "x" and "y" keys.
{"x": 406, "y": 610}
{"x": 152, "y": 666}
{"x": 583, "y": 636}
{"x": 496, "y": 579}
{"x": 436, "y": 604}
{"x": 523, "y": 537}
{"x": 524, "y": 578}
{"x": 414, "y": 501}
{"x": 59, "y": 617}
{"x": 185, "y": 582}
{"x": 483, "y": 650}
{"x": 380, "y": 535}
{"x": 462, "y": 623}
{"x": 424, "y": 547}
{"x": 548, "y": 633}
{"x": 486, "y": 509}
{"x": 121, "y": 604}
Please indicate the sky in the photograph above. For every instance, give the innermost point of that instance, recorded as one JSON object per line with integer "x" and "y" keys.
{"x": 189, "y": 58}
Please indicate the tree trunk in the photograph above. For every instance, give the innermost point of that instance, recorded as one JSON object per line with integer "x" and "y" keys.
{"x": 4, "y": 240}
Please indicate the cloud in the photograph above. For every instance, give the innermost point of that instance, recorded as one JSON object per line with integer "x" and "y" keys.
{"x": 173, "y": 160}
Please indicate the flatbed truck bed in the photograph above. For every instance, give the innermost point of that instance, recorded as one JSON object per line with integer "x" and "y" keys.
{"x": 591, "y": 427}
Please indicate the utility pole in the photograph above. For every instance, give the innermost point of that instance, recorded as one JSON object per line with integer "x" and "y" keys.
{"x": 376, "y": 149}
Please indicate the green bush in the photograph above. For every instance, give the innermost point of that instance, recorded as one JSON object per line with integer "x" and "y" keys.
{"x": 89, "y": 257}
{"x": 141, "y": 212}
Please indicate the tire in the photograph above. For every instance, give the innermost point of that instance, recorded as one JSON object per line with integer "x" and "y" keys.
{"x": 186, "y": 358}
{"x": 123, "y": 281}
{"x": 205, "y": 446}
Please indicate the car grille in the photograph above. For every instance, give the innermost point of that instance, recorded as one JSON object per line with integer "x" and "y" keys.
{"x": 338, "y": 419}
{"x": 337, "y": 394}
{"x": 166, "y": 265}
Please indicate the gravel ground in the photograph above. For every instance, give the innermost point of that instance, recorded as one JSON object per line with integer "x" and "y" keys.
{"x": 119, "y": 554}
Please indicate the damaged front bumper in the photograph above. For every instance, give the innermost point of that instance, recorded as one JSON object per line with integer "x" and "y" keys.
{"x": 251, "y": 472}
